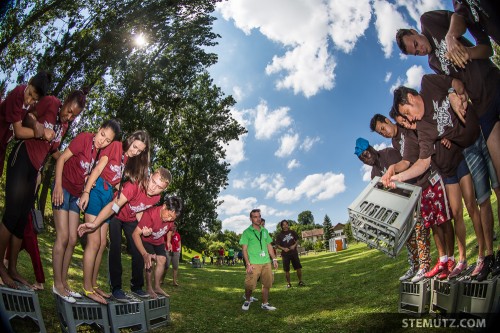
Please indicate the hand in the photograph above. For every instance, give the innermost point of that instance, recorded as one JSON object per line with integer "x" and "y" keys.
{"x": 84, "y": 201}
{"x": 57, "y": 195}
{"x": 459, "y": 104}
{"x": 147, "y": 231}
{"x": 286, "y": 249}
{"x": 275, "y": 264}
{"x": 147, "y": 260}
{"x": 457, "y": 53}
{"x": 249, "y": 268}
{"x": 395, "y": 178}
{"x": 169, "y": 247}
{"x": 86, "y": 227}
{"x": 445, "y": 142}
{"x": 48, "y": 134}
{"x": 386, "y": 178}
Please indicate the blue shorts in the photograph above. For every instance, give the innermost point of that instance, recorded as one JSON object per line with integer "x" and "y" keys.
{"x": 479, "y": 161}
{"x": 462, "y": 170}
{"x": 491, "y": 116}
{"x": 100, "y": 195}
{"x": 70, "y": 202}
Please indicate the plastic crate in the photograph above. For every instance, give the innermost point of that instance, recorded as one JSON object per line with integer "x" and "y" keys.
{"x": 196, "y": 263}
{"x": 414, "y": 297}
{"x": 384, "y": 218}
{"x": 444, "y": 294}
{"x": 130, "y": 315}
{"x": 22, "y": 304}
{"x": 475, "y": 299}
{"x": 157, "y": 312}
{"x": 83, "y": 312}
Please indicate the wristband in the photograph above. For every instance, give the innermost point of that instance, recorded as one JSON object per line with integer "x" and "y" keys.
{"x": 274, "y": 259}
{"x": 115, "y": 208}
{"x": 452, "y": 91}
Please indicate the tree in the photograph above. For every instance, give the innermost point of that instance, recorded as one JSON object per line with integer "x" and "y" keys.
{"x": 306, "y": 218}
{"x": 348, "y": 232}
{"x": 327, "y": 231}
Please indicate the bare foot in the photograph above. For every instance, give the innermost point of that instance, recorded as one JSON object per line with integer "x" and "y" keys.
{"x": 175, "y": 284}
{"x": 6, "y": 279}
{"x": 37, "y": 286}
{"x": 95, "y": 297}
{"x": 161, "y": 292}
{"x": 152, "y": 294}
{"x": 17, "y": 277}
{"x": 102, "y": 293}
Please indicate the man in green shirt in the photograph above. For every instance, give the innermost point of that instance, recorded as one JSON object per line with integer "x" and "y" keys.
{"x": 257, "y": 248}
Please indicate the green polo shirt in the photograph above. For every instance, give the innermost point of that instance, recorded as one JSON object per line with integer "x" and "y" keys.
{"x": 257, "y": 242}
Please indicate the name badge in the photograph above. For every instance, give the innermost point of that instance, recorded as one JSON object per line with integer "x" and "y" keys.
{"x": 434, "y": 178}
{"x": 263, "y": 254}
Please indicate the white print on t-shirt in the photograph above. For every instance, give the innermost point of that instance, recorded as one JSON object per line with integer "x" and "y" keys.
{"x": 402, "y": 144}
{"x": 288, "y": 238}
{"x": 440, "y": 52}
{"x": 86, "y": 166}
{"x": 117, "y": 170}
{"x": 160, "y": 233}
{"x": 442, "y": 115}
{"x": 473, "y": 4}
{"x": 57, "y": 128}
{"x": 141, "y": 207}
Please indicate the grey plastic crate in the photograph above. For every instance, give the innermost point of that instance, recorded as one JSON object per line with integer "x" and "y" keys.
{"x": 130, "y": 315}
{"x": 157, "y": 312}
{"x": 384, "y": 218}
{"x": 22, "y": 304}
{"x": 83, "y": 312}
{"x": 414, "y": 297}
{"x": 476, "y": 298}
{"x": 444, "y": 294}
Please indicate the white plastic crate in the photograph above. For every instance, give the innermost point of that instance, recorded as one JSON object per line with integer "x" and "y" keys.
{"x": 21, "y": 303}
{"x": 414, "y": 297}
{"x": 475, "y": 299}
{"x": 384, "y": 218}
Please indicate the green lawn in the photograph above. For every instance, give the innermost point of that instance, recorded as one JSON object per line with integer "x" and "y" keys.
{"x": 355, "y": 290}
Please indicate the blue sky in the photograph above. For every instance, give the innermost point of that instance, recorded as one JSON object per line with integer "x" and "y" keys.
{"x": 307, "y": 76}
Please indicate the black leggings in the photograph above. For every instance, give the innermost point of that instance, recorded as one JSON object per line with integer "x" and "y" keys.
{"x": 19, "y": 190}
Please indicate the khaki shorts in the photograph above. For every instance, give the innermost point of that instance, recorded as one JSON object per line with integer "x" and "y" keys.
{"x": 264, "y": 271}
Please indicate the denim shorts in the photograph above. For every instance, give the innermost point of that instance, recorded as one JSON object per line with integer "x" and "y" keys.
{"x": 481, "y": 167}
{"x": 491, "y": 116}
{"x": 462, "y": 170}
{"x": 70, "y": 202}
{"x": 100, "y": 195}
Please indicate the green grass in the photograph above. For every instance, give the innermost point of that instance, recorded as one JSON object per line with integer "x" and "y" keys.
{"x": 355, "y": 290}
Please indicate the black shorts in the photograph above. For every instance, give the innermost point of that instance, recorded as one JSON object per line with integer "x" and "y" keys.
{"x": 294, "y": 258}
{"x": 159, "y": 250}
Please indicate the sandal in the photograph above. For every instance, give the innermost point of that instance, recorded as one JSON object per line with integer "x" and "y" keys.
{"x": 94, "y": 296}
{"x": 101, "y": 293}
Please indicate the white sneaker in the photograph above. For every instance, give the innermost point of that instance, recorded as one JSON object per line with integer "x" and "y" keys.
{"x": 419, "y": 276}
{"x": 245, "y": 306}
{"x": 268, "y": 307}
{"x": 409, "y": 273}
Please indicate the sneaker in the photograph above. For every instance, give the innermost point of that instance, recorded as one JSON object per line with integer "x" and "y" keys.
{"x": 489, "y": 261}
{"x": 245, "y": 306}
{"x": 140, "y": 293}
{"x": 451, "y": 265}
{"x": 267, "y": 307}
{"x": 479, "y": 267}
{"x": 120, "y": 296}
{"x": 435, "y": 270}
{"x": 409, "y": 274}
{"x": 288, "y": 285}
{"x": 444, "y": 273}
{"x": 495, "y": 270}
{"x": 419, "y": 276}
{"x": 459, "y": 268}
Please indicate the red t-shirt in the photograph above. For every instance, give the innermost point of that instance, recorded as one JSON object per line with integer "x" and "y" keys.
{"x": 176, "y": 241}
{"x": 47, "y": 110}
{"x": 78, "y": 166}
{"x": 11, "y": 110}
{"x": 151, "y": 218}
{"x": 113, "y": 171}
{"x": 138, "y": 201}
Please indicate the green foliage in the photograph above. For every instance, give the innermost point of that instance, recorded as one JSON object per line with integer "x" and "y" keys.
{"x": 308, "y": 245}
{"x": 327, "y": 231}
{"x": 496, "y": 55}
{"x": 318, "y": 245}
{"x": 306, "y": 218}
{"x": 348, "y": 232}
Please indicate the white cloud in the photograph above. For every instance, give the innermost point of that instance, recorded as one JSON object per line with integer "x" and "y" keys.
{"x": 417, "y": 7}
{"x": 235, "y": 151}
{"x": 413, "y": 78}
{"x": 288, "y": 144}
{"x": 388, "y": 76}
{"x": 238, "y": 93}
{"x": 349, "y": 20}
{"x": 269, "y": 183}
{"x": 316, "y": 187}
{"x": 234, "y": 205}
{"x": 240, "y": 183}
{"x": 388, "y": 21}
{"x": 269, "y": 122}
{"x": 308, "y": 143}
{"x": 366, "y": 171}
{"x": 237, "y": 223}
{"x": 293, "y": 164}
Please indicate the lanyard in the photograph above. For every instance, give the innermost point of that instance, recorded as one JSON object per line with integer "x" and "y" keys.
{"x": 259, "y": 239}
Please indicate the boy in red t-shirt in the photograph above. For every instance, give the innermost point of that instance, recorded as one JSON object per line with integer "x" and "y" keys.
{"x": 155, "y": 223}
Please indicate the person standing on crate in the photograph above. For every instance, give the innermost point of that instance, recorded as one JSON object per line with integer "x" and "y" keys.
{"x": 433, "y": 112}
{"x": 128, "y": 205}
{"x": 287, "y": 241}
{"x": 256, "y": 244}
{"x": 442, "y": 42}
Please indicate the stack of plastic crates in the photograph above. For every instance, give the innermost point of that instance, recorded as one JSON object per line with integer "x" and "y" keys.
{"x": 129, "y": 316}
{"x": 157, "y": 312}
{"x": 476, "y": 299}
{"x": 414, "y": 297}
{"x": 384, "y": 218}
{"x": 444, "y": 294}
{"x": 84, "y": 312}
{"x": 19, "y": 303}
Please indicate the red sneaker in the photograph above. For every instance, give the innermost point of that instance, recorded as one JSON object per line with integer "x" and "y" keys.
{"x": 444, "y": 273}
{"x": 451, "y": 264}
{"x": 436, "y": 269}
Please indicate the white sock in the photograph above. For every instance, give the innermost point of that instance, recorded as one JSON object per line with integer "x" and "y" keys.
{"x": 452, "y": 258}
{"x": 443, "y": 259}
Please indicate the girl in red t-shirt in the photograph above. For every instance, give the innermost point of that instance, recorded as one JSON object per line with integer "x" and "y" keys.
{"x": 14, "y": 107}
{"x": 72, "y": 169}
{"x": 128, "y": 159}
{"x": 25, "y": 161}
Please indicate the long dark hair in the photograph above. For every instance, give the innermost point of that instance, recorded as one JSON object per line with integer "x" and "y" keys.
{"x": 137, "y": 167}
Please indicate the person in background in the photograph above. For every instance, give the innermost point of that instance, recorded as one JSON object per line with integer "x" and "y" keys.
{"x": 173, "y": 255}
{"x": 287, "y": 241}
